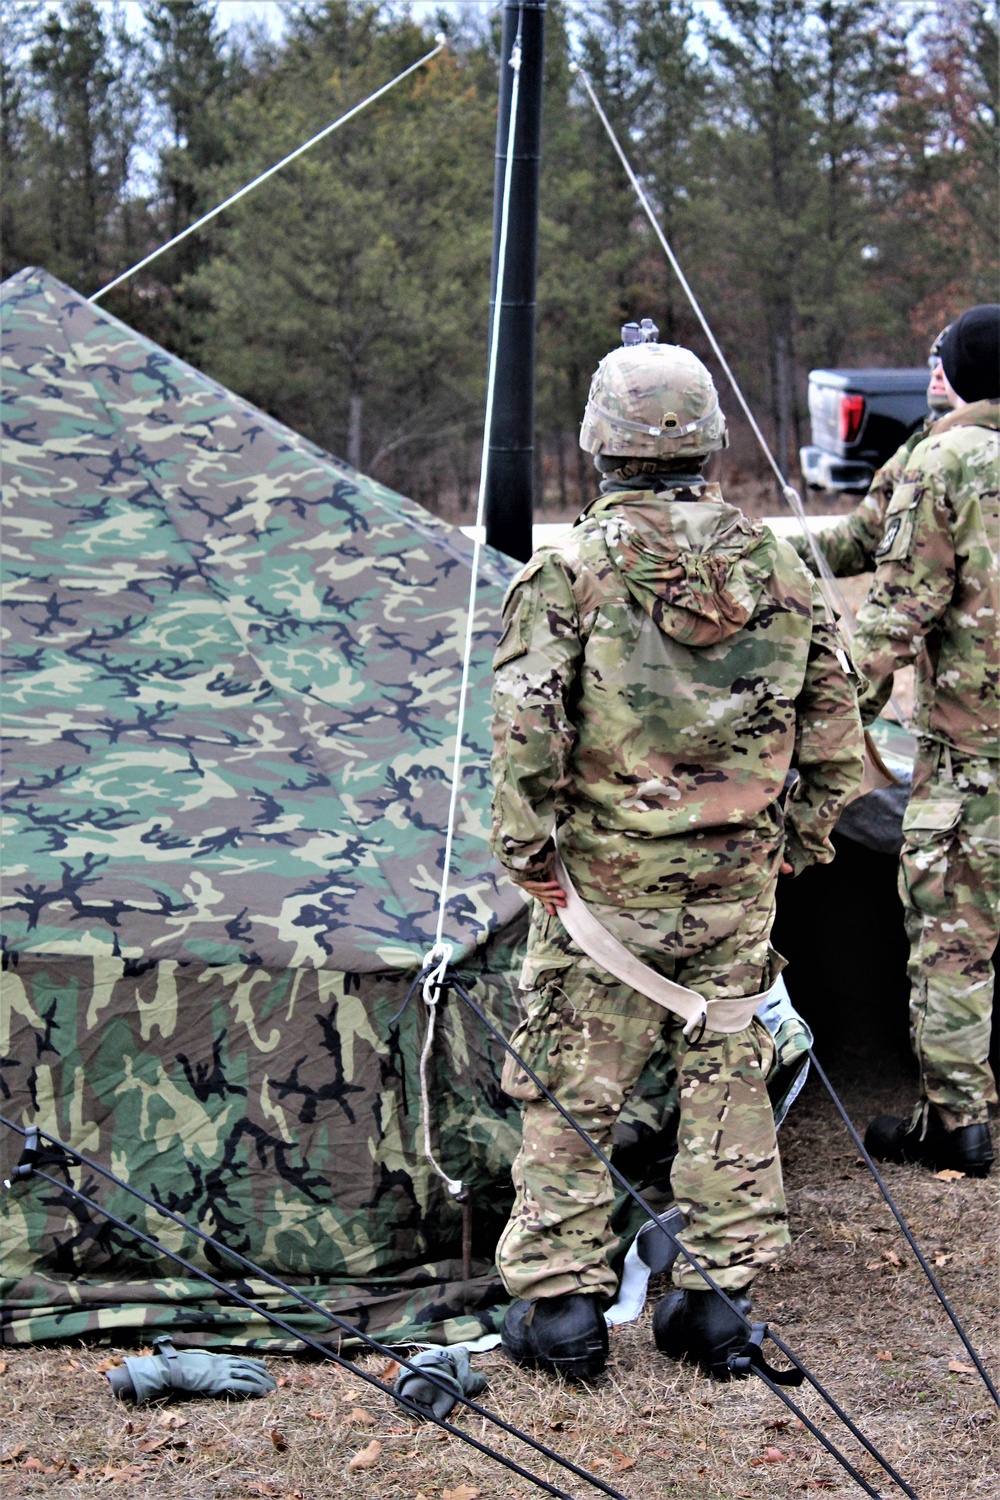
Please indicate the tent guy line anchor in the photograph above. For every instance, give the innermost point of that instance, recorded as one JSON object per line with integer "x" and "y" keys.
{"x": 910, "y": 1239}
{"x": 356, "y": 109}
{"x": 28, "y": 1167}
{"x": 751, "y": 1353}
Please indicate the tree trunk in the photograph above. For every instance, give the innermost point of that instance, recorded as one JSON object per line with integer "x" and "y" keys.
{"x": 354, "y": 433}
{"x": 782, "y": 393}
{"x": 561, "y": 463}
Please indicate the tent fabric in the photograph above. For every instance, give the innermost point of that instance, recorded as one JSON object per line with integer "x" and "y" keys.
{"x": 231, "y": 677}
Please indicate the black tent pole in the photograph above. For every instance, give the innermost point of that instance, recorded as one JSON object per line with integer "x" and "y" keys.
{"x": 510, "y": 471}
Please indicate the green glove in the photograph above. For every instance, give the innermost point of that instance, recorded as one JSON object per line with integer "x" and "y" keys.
{"x": 453, "y": 1377}
{"x": 193, "y": 1371}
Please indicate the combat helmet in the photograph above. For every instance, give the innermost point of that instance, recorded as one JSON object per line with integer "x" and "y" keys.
{"x": 650, "y": 400}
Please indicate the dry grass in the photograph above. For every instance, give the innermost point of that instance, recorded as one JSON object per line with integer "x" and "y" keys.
{"x": 849, "y": 1298}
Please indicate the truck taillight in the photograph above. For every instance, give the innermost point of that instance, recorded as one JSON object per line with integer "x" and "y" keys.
{"x": 852, "y": 412}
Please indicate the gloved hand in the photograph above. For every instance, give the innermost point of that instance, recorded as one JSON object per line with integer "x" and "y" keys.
{"x": 451, "y": 1370}
{"x": 192, "y": 1371}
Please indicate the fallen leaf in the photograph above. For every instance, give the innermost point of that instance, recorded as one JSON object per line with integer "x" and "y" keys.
{"x": 13, "y": 1454}
{"x": 367, "y": 1457}
{"x": 957, "y": 1368}
{"x": 948, "y": 1175}
{"x": 3, "y": 1367}
{"x": 278, "y": 1440}
{"x": 284, "y": 1380}
{"x": 770, "y": 1456}
{"x": 942, "y": 1260}
{"x": 34, "y": 1464}
{"x": 391, "y": 1370}
{"x": 317, "y": 1416}
{"x": 361, "y": 1417}
{"x": 599, "y": 1463}
{"x": 778, "y": 1425}
{"x": 172, "y": 1420}
{"x": 113, "y": 1362}
{"x": 153, "y": 1445}
{"x": 622, "y": 1461}
{"x": 885, "y": 1355}
{"x": 461, "y": 1492}
{"x": 892, "y": 1258}
{"x": 820, "y": 1484}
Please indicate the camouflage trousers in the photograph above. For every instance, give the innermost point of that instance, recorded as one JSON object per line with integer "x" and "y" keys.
{"x": 949, "y": 882}
{"x": 588, "y": 1037}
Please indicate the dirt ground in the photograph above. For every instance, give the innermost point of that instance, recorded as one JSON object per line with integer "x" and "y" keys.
{"x": 849, "y": 1298}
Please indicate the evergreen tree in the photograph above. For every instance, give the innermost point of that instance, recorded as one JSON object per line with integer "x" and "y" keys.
{"x": 188, "y": 75}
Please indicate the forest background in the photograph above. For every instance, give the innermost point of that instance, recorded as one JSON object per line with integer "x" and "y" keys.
{"x": 827, "y": 171}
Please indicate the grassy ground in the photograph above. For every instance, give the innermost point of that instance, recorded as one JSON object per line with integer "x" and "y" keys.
{"x": 849, "y": 1298}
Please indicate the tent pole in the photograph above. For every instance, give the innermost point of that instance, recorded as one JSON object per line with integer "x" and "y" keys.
{"x": 509, "y": 481}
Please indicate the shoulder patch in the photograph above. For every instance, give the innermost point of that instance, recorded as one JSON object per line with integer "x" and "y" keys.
{"x": 519, "y": 609}
{"x": 897, "y": 538}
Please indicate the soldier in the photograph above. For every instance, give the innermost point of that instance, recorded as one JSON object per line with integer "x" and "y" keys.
{"x": 660, "y": 670}
{"x": 849, "y": 546}
{"x": 935, "y": 600}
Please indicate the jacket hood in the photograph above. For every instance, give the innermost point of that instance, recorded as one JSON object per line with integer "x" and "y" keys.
{"x": 973, "y": 414}
{"x": 696, "y": 565}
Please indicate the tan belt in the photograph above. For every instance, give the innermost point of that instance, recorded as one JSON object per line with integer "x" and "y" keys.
{"x": 726, "y": 1015}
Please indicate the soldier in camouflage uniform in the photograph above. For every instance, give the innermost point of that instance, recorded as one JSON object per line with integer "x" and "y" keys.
{"x": 660, "y": 670}
{"x": 849, "y": 546}
{"x": 935, "y": 601}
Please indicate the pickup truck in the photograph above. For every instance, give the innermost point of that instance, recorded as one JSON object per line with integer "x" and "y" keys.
{"x": 859, "y": 418}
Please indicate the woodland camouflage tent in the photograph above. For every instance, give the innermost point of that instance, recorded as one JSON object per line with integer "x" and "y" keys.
{"x": 231, "y": 681}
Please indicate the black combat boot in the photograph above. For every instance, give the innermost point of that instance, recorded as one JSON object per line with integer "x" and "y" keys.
{"x": 565, "y": 1334}
{"x": 699, "y": 1326}
{"x": 967, "y": 1149}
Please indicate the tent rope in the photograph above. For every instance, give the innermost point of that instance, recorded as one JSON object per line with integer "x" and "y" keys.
{"x": 441, "y": 41}
{"x": 707, "y": 1278}
{"x": 908, "y": 1233}
{"x": 491, "y": 379}
{"x": 439, "y": 956}
{"x": 789, "y": 493}
{"x": 848, "y": 621}
{"x": 432, "y": 989}
{"x": 29, "y": 1168}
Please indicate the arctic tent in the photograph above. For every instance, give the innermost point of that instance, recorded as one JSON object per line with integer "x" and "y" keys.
{"x": 231, "y": 678}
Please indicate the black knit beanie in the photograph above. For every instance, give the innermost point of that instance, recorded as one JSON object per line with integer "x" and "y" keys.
{"x": 970, "y": 353}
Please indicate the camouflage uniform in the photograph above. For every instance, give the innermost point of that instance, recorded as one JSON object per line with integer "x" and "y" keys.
{"x": 849, "y": 546}
{"x": 935, "y": 601}
{"x": 659, "y": 671}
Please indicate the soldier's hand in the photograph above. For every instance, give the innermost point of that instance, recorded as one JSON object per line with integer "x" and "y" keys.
{"x": 785, "y": 868}
{"x": 549, "y": 892}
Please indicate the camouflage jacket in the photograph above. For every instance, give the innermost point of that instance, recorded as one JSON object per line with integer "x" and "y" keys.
{"x": 660, "y": 670}
{"x": 937, "y": 584}
{"x": 849, "y": 545}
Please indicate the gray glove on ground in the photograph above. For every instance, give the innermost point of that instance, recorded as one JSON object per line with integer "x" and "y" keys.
{"x": 193, "y": 1372}
{"x": 451, "y": 1370}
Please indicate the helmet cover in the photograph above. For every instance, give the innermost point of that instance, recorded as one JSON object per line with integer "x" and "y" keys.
{"x": 652, "y": 401}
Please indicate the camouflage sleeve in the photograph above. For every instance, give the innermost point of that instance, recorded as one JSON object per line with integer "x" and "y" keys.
{"x": 849, "y": 545}
{"x": 913, "y": 584}
{"x": 535, "y": 668}
{"x": 829, "y": 746}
